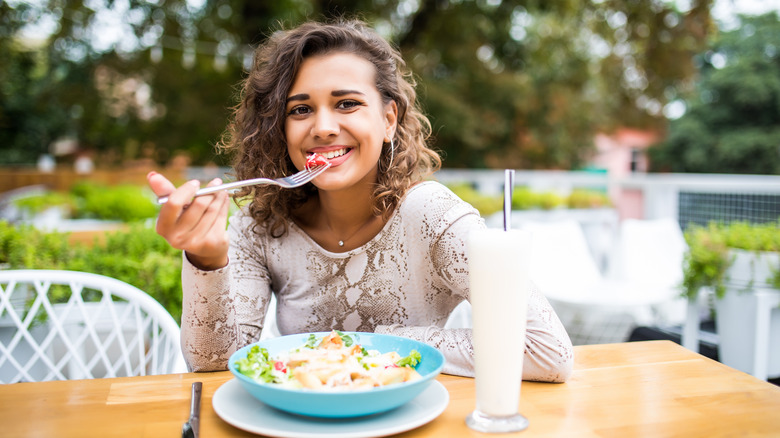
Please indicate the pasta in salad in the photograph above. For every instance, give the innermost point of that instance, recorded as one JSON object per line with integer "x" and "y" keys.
{"x": 336, "y": 362}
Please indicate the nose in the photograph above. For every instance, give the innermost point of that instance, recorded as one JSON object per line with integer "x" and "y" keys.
{"x": 325, "y": 125}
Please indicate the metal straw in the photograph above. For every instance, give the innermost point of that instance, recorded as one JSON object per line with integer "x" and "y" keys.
{"x": 509, "y": 185}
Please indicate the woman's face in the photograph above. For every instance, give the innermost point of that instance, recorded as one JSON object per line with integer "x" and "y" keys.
{"x": 334, "y": 109}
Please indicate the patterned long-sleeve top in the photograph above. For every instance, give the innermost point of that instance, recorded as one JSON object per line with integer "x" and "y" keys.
{"x": 405, "y": 281}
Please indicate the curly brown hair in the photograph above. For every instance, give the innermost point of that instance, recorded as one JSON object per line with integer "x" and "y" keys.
{"x": 256, "y": 134}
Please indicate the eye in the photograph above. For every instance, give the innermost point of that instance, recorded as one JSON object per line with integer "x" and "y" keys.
{"x": 348, "y": 104}
{"x": 298, "y": 110}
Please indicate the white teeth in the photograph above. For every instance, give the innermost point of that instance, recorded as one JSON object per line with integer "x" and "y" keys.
{"x": 334, "y": 154}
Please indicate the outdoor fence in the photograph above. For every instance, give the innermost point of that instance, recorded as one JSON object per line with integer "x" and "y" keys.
{"x": 688, "y": 198}
{"x": 63, "y": 178}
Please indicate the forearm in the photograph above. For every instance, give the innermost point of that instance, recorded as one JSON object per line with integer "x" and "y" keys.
{"x": 549, "y": 356}
{"x": 209, "y": 331}
{"x": 454, "y": 344}
{"x": 543, "y": 361}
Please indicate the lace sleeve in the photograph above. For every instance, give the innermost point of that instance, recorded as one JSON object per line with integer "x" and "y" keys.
{"x": 208, "y": 330}
{"x": 455, "y": 345}
{"x": 548, "y": 350}
{"x": 549, "y": 356}
{"x": 224, "y": 309}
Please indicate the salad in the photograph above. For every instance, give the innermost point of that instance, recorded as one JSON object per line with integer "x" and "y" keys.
{"x": 335, "y": 362}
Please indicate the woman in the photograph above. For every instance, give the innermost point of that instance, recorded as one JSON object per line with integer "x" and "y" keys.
{"x": 367, "y": 246}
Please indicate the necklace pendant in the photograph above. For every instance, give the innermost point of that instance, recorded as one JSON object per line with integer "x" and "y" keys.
{"x": 341, "y": 243}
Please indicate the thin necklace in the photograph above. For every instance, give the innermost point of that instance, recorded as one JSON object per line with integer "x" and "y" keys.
{"x": 342, "y": 241}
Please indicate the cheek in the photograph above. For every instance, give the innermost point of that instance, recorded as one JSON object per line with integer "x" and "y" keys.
{"x": 292, "y": 133}
{"x": 293, "y": 141}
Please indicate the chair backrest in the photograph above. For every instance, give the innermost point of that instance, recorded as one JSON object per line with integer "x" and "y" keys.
{"x": 562, "y": 264}
{"x": 650, "y": 252}
{"x": 59, "y": 325}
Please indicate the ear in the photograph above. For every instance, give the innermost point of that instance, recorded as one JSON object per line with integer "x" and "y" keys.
{"x": 391, "y": 120}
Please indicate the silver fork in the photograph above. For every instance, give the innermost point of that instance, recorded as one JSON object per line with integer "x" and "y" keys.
{"x": 287, "y": 182}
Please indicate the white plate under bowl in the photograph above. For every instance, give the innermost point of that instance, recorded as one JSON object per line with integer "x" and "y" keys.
{"x": 238, "y": 408}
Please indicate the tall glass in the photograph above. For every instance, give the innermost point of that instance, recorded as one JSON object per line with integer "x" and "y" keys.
{"x": 499, "y": 288}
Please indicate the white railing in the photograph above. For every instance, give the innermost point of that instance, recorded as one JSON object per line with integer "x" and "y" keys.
{"x": 638, "y": 195}
{"x": 662, "y": 193}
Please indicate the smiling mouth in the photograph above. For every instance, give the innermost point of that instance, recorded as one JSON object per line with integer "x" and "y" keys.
{"x": 332, "y": 154}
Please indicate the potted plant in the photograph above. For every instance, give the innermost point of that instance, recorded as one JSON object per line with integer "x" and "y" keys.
{"x": 740, "y": 264}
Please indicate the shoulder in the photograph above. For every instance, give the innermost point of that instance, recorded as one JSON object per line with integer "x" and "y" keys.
{"x": 242, "y": 225}
{"x": 247, "y": 236}
{"x": 242, "y": 220}
{"x": 434, "y": 205}
{"x": 431, "y": 191}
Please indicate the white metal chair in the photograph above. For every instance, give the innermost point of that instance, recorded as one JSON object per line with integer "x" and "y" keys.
{"x": 270, "y": 327}
{"x": 594, "y": 308}
{"x": 650, "y": 252}
{"x": 460, "y": 317}
{"x": 60, "y": 325}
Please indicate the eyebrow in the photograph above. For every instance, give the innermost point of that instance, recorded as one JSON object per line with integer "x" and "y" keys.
{"x": 334, "y": 93}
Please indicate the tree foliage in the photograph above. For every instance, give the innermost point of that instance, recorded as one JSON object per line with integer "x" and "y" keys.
{"x": 527, "y": 84}
{"x": 732, "y": 123}
{"x": 26, "y": 85}
{"x": 519, "y": 83}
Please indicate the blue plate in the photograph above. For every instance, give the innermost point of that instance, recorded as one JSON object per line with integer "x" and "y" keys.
{"x": 342, "y": 404}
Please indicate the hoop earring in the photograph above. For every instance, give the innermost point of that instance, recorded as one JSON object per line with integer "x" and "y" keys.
{"x": 392, "y": 153}
{"x": 392, "y": 156}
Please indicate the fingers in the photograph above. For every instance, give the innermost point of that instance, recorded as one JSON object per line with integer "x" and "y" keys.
{"x": 210, "y": 232}
{"x": 205, "y": 211}
{"x": 196, "y": 225}
{"x": 159, "y": 184}
{"x": 178, "y": 201}
{"x": 210, "y": 241}
{"x": 221, "y": 210}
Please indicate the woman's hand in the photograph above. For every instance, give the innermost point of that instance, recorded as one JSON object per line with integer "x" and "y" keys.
{"x": 195, "y": 225}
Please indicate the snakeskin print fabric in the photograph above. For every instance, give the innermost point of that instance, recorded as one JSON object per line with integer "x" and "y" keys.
{"x": 405, "y": 281}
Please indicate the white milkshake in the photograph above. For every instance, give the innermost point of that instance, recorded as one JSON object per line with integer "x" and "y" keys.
{"x": 499, "y": 288}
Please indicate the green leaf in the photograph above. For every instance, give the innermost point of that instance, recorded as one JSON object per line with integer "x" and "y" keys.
{"x": 311, "y": 342}
{"x": 412, "y": 360}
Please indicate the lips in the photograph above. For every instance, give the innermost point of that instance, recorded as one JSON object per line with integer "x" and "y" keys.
{"x": 334, "y": 156}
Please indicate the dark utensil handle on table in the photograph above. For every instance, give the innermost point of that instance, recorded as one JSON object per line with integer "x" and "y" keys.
{"x": 192, "y": 426}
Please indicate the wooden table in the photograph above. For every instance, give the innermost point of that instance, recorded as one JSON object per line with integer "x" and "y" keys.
{"x": 652, "y": 389}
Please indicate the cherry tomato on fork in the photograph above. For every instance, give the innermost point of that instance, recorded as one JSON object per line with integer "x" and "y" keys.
{"x": 315, "y": 160}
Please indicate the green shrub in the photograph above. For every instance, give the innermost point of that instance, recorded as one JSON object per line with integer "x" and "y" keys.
{"x": 581, "y": 198}
{"x": 708, "y": 257}
{"x": 137, "y": 256}
{"x": 39, "y": 203}
{"x": 550, "y": 200}
{"x": 89, "y": 200}
{"x": 750, "y": 237}
{"x": 26, "y": 247}
{"x": 123, "y": 203}
{"x": 486, "y": 205}
{"x": 524, "y": 198}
